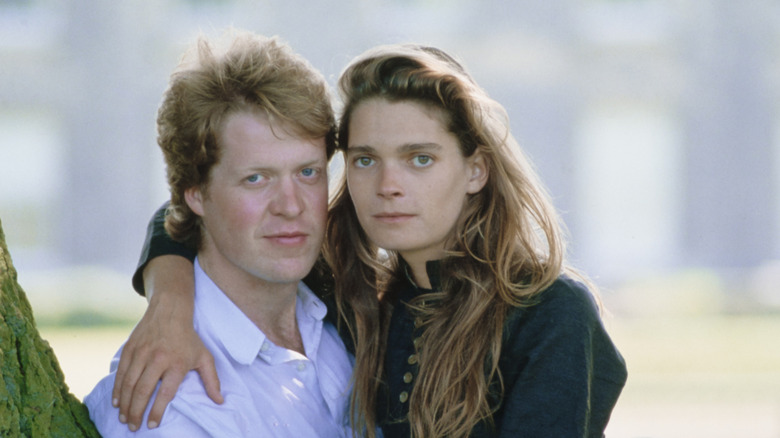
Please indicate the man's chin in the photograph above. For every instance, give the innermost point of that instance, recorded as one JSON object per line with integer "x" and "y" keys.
{"x": 290, "y": 272}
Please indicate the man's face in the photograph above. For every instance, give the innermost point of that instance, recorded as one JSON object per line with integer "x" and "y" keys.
{"x": 265, "y": 206}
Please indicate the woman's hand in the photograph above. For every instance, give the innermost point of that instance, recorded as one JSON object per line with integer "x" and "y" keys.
{"x": 163, "y": 346}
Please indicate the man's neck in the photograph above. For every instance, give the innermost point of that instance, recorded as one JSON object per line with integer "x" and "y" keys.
{"x": 270, "y": 306}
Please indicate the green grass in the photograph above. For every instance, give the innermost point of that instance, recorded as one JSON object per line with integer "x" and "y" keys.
{"x": 711, "y": 344}
{"x": 699, "y": 376}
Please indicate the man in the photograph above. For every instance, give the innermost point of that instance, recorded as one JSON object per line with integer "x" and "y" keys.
{"x": 247, "y": 135}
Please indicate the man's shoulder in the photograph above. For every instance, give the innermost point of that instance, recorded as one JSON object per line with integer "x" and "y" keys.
{"x": 191, "y": 413}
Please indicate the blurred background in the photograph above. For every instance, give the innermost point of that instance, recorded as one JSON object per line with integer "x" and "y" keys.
{"x": 654, "y": 124}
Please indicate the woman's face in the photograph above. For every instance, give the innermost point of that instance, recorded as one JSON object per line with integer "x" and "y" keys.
{"x": 407, "y": 176}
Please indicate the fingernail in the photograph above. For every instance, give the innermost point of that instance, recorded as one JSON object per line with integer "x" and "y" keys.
{"x": 115, "y": 402}
{"x": 132, "y": 427}
{"x": 122, "y": 419}
{"x": 152, "y": 424}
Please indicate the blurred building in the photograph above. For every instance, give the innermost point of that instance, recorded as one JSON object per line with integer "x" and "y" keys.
{"x": 653, "y": 123}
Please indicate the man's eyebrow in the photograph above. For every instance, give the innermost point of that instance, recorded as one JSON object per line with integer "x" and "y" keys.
{"x": 314, "y": 162}
{"x": 303, "y": 164}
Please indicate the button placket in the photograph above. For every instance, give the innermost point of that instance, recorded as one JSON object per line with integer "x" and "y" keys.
{"x": 412, "y": 360}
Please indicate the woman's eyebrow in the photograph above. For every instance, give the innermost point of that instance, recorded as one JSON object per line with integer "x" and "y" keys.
{"x": 360, "y": 149}
{"x": 404, "y": 149}
{"x": 416, "y": 147}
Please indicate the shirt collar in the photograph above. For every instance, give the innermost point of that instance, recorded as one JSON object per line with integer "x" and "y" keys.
{"x": 312, "y": 306}
{"x": 229, "y": 326}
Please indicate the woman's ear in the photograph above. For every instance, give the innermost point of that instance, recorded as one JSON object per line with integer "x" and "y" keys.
{"x": 478, "y": 172}
{"x": 194, "y": 198}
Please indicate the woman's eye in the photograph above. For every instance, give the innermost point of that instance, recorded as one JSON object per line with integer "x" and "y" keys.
{"x": 363, "y": 161}
{"x": 422, "y": 160}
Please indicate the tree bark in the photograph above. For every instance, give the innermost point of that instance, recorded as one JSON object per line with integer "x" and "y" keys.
{"x": 34, "y": 399}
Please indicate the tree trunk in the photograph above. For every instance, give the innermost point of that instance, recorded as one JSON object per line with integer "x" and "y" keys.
{"x": 34, "y": 399}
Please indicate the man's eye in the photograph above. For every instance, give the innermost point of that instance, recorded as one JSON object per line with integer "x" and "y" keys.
{"x": 253, "y": 179}
{"x": 309, "y": 172}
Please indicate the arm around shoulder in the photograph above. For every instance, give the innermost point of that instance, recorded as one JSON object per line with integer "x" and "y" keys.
{"x": 164, "y": 344}
{"x": 158, "y": 243}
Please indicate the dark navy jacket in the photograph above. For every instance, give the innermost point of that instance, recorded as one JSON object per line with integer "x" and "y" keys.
{"x": 562, "y": 374}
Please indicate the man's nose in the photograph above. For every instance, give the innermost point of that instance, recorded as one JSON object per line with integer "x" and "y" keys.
{"x": 287, "y": 199}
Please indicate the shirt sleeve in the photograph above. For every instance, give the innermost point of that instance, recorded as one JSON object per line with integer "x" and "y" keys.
{"x": 158, "y": 243}
{"x": 563, "y": 373}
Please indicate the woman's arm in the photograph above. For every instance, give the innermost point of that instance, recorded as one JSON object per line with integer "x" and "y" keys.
{"x": 164, "y": 345}
{"x": 158, "y": 243}
{"x": 562, "y": 372}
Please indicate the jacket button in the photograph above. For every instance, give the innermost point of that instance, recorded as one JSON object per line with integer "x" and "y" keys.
{"x": 408, "y": 377}
{"x": 416, "y": 342}
{"x": 403, "y": 397}
{"x": 412, "y": 359}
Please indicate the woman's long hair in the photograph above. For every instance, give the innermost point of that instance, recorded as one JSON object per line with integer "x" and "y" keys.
{"x": 506, "y": 247}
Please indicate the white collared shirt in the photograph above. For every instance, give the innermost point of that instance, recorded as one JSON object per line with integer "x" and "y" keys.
{"x": 268, "y": 390}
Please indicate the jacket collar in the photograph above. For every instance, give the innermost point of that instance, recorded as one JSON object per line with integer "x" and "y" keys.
{"x": 432, "y": 268}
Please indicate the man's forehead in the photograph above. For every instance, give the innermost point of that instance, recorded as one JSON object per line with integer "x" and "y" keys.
{"x": 267, "y": 123}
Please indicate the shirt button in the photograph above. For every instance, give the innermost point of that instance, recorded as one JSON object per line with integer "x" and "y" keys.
{"x": 301, "y": 366}
{"x": 412, "y": 359}
{"x": 408, "y": 377}
{"x": 403, "y": 397}
{"x": 265, "y": 346}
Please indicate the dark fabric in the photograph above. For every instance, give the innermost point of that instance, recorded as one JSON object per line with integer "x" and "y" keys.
{"x": 158, "y": 243}
{"x": 562, "y": 373}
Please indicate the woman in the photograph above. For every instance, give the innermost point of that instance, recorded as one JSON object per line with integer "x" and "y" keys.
{"x": 483, "y": 329}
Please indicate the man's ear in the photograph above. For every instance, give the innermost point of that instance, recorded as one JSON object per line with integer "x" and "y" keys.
{"x": 194, "y": 198}
{"x": 478, "y": 173}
